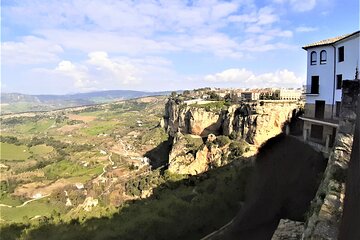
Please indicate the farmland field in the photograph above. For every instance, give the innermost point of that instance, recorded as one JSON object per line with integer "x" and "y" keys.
{"x": 13, "y": 152}
{"x": 62, "y": 159}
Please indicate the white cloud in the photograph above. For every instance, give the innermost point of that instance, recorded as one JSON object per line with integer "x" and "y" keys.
{"x": 247, "y": 79}
{"x": 230, "y": 75}
{"x": 76, "y": 73}
{"x": 267, "y": 16}
{"x": 145, "y": 27}
{"x": 140, "y": 17}
{"x": 264, "y": 16}
{"x": 303, "y": 5}
{"x": 306, "y": 29}
{"x": 113, "y": 44}
{"x": 118, "y": 70}
{"x": 31, "y": 50}
{"x": 299, "y": 5}
{"x": 100, "y": 71}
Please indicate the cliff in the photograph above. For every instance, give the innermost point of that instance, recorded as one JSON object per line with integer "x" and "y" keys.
{"x": 245, "y": 126}
{"x": 327, "y": 207}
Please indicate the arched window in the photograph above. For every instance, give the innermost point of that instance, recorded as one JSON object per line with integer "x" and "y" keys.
{"x": 313, "y": 57}
{"x": 323, "y": 57}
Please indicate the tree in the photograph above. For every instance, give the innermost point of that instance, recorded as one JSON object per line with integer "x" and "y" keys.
{"x": 186, "y": 92}
{"x": 214, "y": 96}
{"x": 173, "y": 94}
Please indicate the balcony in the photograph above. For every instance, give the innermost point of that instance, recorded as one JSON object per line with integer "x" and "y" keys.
{"x": 312, "y": 89}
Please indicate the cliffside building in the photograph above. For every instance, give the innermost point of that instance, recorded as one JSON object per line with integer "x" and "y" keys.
{"x": 289, "y": 94}
{"x": 329, "y": 62}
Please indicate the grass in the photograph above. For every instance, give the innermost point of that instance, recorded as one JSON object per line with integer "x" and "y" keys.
{"x": 41, "y": 149}
{"x": 193, "y": 142}
{"x": 98, "y": 127}
{"x": 13, "y": 152}
{"x": 67, "y": 169}
{"x": 80, "y": 179}
{"x": 35, "y": 127}
{"x": 213, "y": 106}
{"x": 9, "y": 200}
{"x": 24, "y": 107}
{"x": 154, "y": 136}
{"x": 95, "y": 113}
{"x": 40, "y": 207}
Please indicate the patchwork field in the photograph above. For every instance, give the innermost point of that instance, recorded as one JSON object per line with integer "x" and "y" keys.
{"x": 58, "y": 161}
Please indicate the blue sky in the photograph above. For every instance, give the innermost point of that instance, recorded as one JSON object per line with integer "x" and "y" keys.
{"x": 60, "y": 47}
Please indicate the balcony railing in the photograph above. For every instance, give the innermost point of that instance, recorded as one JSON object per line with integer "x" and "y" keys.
{"x": 312, "y": 89}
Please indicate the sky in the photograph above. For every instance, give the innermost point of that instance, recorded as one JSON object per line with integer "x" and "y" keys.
{"x": 72, "y": 46}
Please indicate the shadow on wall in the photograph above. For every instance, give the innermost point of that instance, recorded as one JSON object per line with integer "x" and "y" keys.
{"x": 296, "y": 124}
{"x": 214, "y": 128}
{"x": 349, "y": 228}
{"x": 286, "y": 178}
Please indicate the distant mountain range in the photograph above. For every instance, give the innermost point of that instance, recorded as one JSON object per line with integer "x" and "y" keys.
{"x": 17, "y": 102}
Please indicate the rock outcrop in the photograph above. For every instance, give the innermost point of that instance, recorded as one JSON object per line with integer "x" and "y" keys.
{"x": 190, "y": 155}
{"x": 191, "y": 120}
{"x": 252, "y": 123}
{"x": 255, "y": 123}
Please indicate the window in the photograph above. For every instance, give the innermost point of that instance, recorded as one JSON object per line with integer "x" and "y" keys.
{"x": 338, "y": 108}
{"x": 314, "y": 85}
{"x": 341, "y": 54}
{"x": 313, "y": 57}
{"x": 317, "y": 131}
{"x": 323, "y": 57}
{"x": 338, "y": 81}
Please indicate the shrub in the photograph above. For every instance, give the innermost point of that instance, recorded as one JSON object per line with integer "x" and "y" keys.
{"x": 222, "y": 140}
{"x": 154, "y": 136}
{"x": 193, "y": 143}
{"x": 233, "y": 135}
{"x": 213, "y": 106}
{"x": 238, "y": 148}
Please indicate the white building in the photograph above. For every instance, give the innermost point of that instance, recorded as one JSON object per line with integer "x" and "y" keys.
{"x": 329, "y": 62}
{"x": 250, "y": 95}
{"x": 289, "y": 94}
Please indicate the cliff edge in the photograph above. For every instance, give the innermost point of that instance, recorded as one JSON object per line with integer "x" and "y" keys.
{"x": 235, "y": 130}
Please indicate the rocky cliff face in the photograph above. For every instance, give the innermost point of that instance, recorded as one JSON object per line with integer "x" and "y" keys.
{"x": 190, "y": 155}
{"x": 192, "y": 120}
{"x": 325, "y": 214}
{"x": 252, "y": 124}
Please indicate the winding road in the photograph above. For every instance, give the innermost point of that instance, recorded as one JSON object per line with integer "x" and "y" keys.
{"x": 24, "y": 203}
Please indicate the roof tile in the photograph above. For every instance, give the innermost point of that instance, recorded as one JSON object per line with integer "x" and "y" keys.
{"x": 329, "y": 40}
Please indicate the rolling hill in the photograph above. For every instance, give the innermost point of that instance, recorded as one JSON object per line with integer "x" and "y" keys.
{"x": 17, "y": 102}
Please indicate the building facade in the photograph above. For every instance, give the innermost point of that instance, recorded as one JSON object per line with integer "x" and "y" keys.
{"x": 289, "y": 94}
{"x": 329, "y": 62}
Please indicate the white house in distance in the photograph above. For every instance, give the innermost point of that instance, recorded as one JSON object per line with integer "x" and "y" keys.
{"x": 329, "y": 62}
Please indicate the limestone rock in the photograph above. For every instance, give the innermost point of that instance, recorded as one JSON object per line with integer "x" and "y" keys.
{"x": 190, "y": 156}
{"x": 254, "y": 123}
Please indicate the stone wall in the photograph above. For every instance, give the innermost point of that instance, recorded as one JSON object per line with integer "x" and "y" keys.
{"x": 325, "y": 214}
{"x": 310, "y": 111}
{"x": 327, "y": 131}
